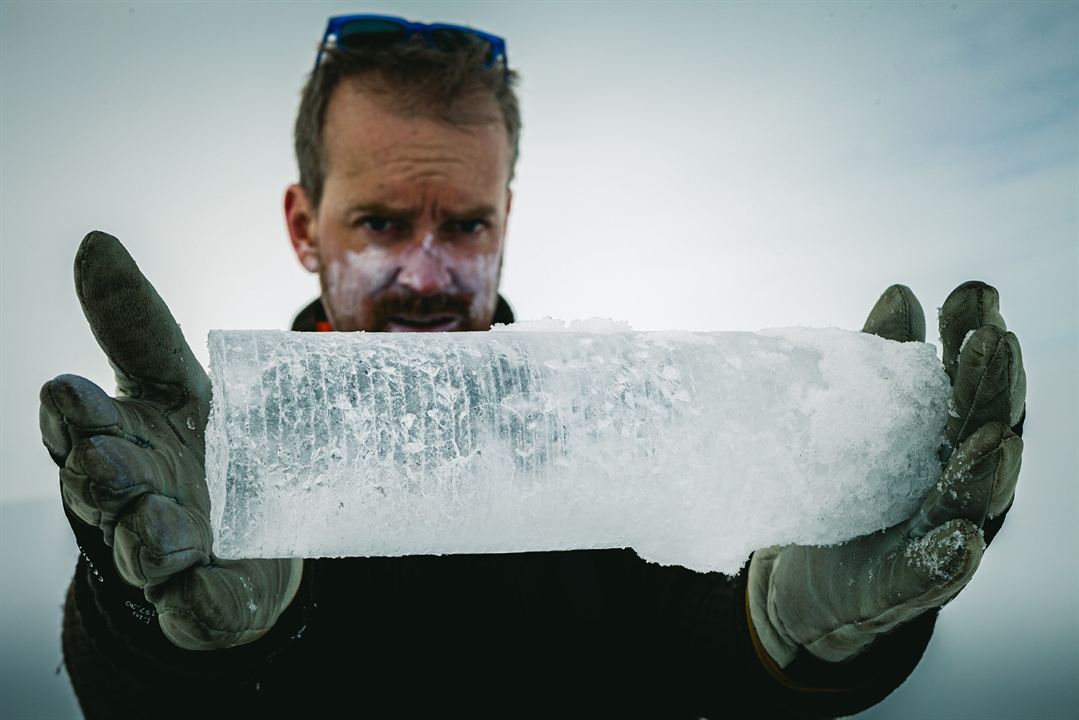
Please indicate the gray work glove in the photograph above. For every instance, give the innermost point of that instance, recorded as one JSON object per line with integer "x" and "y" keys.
{"x": 134, "y": 466}
{"x": 834, "y": 601}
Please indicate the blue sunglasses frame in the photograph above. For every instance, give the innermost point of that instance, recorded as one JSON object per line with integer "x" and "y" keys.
{"x": 335, "y": 24}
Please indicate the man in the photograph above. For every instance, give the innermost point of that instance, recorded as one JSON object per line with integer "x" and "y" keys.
{"x": 406, "y": 140}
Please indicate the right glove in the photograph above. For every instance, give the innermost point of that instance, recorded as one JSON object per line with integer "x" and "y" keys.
{"x": 835, "y": 601}
{"x": 134, "y": 466}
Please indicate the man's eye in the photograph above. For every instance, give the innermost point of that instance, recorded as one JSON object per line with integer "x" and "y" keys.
{"x": 469, "y": 227}
{"x": 384, "y": 229}
{"x": 376, "y": 224}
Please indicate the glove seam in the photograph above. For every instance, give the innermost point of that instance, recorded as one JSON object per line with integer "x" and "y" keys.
{"x": 158, "y": 559}
{"x": 907, "y": 314}
{"x": 854, "y": 624}
{"x": 977, "y": 392}
{"x": 193, "y": 615}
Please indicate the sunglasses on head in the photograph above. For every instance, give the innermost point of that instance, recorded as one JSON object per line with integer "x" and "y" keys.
{"x": 367, "y": 32}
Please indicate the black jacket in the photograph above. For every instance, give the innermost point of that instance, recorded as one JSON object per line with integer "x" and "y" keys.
{"x": 591, "y": 633}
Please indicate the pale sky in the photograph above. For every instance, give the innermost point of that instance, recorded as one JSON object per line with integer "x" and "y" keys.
{"x": 711, "y": 166}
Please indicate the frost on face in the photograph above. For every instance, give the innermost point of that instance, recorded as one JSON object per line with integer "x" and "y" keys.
{"x": 480, "y": 275}
{"x": 350, "y": 280}
{"x": 356, "y": 285}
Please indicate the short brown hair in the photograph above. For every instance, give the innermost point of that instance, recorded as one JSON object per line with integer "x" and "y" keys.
{"x": 416, "y": 80}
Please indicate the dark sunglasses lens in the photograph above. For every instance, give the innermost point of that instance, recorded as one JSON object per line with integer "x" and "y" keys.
{"x": 360, "y": 34}
{"x": 448, "y": 39}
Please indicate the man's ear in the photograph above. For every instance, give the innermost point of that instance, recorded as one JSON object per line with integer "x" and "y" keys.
{"x": 302, "y": 227}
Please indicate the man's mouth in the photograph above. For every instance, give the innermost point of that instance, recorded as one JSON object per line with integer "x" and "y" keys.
{"x": 423, "y": 323}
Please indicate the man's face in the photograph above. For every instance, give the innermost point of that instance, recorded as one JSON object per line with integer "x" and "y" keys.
{"x": 409, "y": 233}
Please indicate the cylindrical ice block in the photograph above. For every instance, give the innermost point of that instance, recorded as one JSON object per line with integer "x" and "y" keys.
{"x": 691, "y": 448}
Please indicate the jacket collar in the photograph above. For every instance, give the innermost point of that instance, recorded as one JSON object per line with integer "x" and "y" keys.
{"x": 313, "y": 317}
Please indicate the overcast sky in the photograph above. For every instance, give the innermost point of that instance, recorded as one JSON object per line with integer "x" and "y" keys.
{"x": 709, "y": 166}
{"x": 702, "y": 166}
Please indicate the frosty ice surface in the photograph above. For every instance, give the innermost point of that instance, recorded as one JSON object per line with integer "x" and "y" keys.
{"x": 692, "y": 448}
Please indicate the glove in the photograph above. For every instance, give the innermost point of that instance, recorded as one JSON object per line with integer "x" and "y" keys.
{"x": 834, "y": 601}
{"x": 134, "y": 466}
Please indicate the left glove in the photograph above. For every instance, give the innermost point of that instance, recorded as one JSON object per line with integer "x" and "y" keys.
{"x": 834, "y": 601}
{"x": 132, "y": 469}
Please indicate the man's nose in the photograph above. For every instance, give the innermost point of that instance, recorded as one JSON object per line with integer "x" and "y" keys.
{"x": 423, "y": 269}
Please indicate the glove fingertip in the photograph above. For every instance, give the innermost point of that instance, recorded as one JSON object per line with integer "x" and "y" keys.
{"x": 205, "y": 609}
{"x": 897, "y": 315}
{"x": 969, "y": 307}
{"x": 188, "y": 632}
{"x": 133, "y": 325}
{"x": 976, "y": 301}
{"x": 97, "y": 248}
{"x": 945, "y": 559}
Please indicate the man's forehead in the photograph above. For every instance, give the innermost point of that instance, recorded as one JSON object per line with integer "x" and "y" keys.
{"x": 414, "y": 205}
{"x": 406, "y": 184}
{"x": 362, "y": 122}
